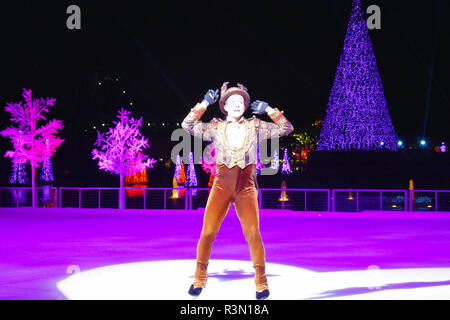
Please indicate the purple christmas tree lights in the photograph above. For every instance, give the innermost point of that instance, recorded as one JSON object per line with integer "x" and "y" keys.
{"x": 47, "y": 169}
{"x": 177, "y": 168}
{"x": 286, "y": 167}
{"x": 121, "y": 150}
{"x": 18, "y": 174}
{"x": 357, "y": 116}
{"x": 191, "y": 176}
{"x": 275, "y": 162}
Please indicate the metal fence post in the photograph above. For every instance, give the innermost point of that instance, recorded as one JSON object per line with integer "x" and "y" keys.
{"x": 145, "y": 199}
{"x": 79, "y": 198}
{"x": 435, "y": 201}
{"x": 328, "y": 200}
{"x": 260, "y": 200}
{"x": 410, "y": 201}
{"x": 306, "y": 208}
{"x": 405, "y": 195}
{"x": 357, "y": 201}
{"x": 164, "y": 199}
{"x": 381, "y": 200}
{"x": 99, "y": 197}
{"x": 333, "y": 198}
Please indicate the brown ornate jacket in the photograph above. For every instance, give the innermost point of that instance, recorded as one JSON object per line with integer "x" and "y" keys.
{"x": 255, "y": 130}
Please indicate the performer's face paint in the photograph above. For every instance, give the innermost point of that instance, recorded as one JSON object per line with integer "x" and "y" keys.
{"x": 235, "y": 107}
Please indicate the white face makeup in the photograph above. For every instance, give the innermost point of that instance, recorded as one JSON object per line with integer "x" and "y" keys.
{"x": 235, "y": 106}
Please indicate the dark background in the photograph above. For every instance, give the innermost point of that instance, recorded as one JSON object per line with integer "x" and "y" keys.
{"x": 167, "y": 54}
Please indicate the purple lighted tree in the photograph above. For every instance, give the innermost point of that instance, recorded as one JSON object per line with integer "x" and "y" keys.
{"x": 32, "y": 142}
{"x": 286, "y": 167}
{"x": 18, "y": 174}
{"x": 121, "y": 150}
{"x": 275, "y": 162}
{"x": 47, "y": 169}
{"x": 190, "y": 175}
{"x": 357, "y": 117}
{"x": 177, "y": 168}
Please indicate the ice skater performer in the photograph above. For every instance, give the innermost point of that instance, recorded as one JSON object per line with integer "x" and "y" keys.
{"x": 235, "y": 140}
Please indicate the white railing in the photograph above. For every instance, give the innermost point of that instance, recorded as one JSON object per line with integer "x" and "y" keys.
{"x": 46, "y": 196}
{"x": 315, "y": 200}
{"x": 356, "y": 200}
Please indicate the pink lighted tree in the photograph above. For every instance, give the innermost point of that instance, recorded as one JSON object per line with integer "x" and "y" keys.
{"x": 32, "y": 142}
{"x": 120, "y": 150}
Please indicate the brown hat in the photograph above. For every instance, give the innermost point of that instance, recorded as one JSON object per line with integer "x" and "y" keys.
{"x": 228, "y": 92}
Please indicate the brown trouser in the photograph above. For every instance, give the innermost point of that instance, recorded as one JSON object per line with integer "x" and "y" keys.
{"x": 236, "y": 186}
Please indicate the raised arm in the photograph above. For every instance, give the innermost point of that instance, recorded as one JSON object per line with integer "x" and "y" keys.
{"x": 280, "y": 126}
{"x": 192, "y": 123}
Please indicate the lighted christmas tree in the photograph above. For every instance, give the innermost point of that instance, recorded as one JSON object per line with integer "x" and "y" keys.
{"x": 286, "y": 166}
{"x": 275, "y": 162}
{"x": 18, "y": 174}
{"x": 357, "y": 116}
{"x": 18, "y": 170}
{"x": 32, "y": 142}
{"x": 182, "y": 179}
{"x": 47, "y": 169}
{"x": 191, "y": 176}
{"x": 177, "y": 168}
{"x": 121, "y": 150}
{"x": 175, "y": 178}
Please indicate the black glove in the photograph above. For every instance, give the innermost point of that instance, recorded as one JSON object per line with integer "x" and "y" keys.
{"x": 259, "y": 107}
{"x": 211, "y": 96}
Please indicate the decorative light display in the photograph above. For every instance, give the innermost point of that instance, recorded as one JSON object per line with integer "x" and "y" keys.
{"x": 423, "y": 143}
{"x": 182, "y": 178}
{"x": 120, "y": 150}
{"x": 286, "y": 166}
{"x": 47, "y": 168}
{"x": 191, "y": 176}
{"x": 32, "y": 142}
{"x": 443, "y": 147}
{"x": 357, "y": 116}
{"x": 275, "y": 162}
{"x": 18, "y": 174}
{"x": 137, "y": 178}
{"x": 177, "y": 168}
{"x": 176, "y": 176}
{"x": 283, "y": 196}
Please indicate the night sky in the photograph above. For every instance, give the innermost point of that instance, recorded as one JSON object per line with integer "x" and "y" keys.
{"x": 167, "y": 54}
